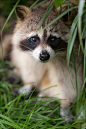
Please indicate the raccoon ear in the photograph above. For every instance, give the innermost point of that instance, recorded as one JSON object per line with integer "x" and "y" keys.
{"x": 69, "y": 17}
{"x": 22, "y": 12}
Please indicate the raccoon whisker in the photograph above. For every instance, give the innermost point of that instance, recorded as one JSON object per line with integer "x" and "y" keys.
{"x": 26, "y": 47}
{"x": 60, "y": 49}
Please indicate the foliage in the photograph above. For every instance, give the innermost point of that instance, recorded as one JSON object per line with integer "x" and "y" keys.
{"x": 6, "y": 5}
{"x": 59, "y": 3}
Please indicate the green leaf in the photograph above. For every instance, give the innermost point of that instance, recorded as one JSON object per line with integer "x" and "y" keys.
{"x": 84, "y": 25}
{"x": 59, "y": 2}
{"x": 80, "y": 12}
{"x": 71, "y": 40}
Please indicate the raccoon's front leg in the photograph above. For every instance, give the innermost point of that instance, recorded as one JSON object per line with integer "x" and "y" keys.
{"x": 28, "y": 85}
{"x": 30, "y": 70}
{"x": 31, "y": 76}
{"x": 26, "y": 90}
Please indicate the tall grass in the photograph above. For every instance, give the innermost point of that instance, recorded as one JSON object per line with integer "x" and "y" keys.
{"x": 28, "y": 114}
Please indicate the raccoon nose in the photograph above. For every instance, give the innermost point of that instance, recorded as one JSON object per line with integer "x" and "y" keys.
{"x": 44, "y": 55}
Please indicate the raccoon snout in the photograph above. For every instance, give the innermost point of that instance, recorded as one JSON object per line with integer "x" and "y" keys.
{"x": 44, "y": 55}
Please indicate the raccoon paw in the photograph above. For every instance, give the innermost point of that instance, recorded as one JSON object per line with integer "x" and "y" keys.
{"x": 39, "y": 98}
{"x": 66, "y": 114}
{"x": 25, "y": 90}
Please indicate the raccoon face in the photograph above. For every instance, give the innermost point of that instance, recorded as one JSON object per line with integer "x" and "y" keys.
{"x": 42, "y": 44}
{"x": 42, "y": 47}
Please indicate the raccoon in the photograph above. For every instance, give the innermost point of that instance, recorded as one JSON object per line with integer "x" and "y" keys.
{"x": 40, "y": 56}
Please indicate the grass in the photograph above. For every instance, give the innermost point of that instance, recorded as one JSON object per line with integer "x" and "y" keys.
{"x": 26, "y": 114}
{"x": 30, "y": 114}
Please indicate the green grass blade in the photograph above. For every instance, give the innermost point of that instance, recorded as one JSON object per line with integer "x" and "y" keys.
{"x": 34, "y": 3}
{"x": 6, "y": 118}
{"x": 49, "y": 8}
{"x": 29, "y": 116}
{"x": 60, "y": 16}
{"x": 39, "y": 4}
{"x": 10, "y": 103}
{"x": 10, "y": 124}
{"x": 25, "y": 106}
{"x": 80, "y": 12}
{"x": 0, "y": 101}
{"x": 84, "y": 70}
{"x": 70, "y": 47}
{"x": 5, "y": 25}
{"x": 2, "y": 126}
{"x": 71, "y": 40}
{"x": 77, "y": 95}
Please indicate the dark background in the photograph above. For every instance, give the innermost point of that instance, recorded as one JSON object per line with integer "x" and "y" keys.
{"x": 7, "y": 5}
{"x": 5, "y": 8}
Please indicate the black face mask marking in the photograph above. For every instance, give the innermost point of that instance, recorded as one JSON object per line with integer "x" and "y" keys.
{"x": 30, "y": 43}
{"x": 57, "y": 44}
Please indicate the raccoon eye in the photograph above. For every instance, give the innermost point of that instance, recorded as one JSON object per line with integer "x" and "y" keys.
{"x": 56, "y": 43}
{"x": 34, "y": 39}
{"x": 52, "y": 38}
{"x": 33, "y": 42}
